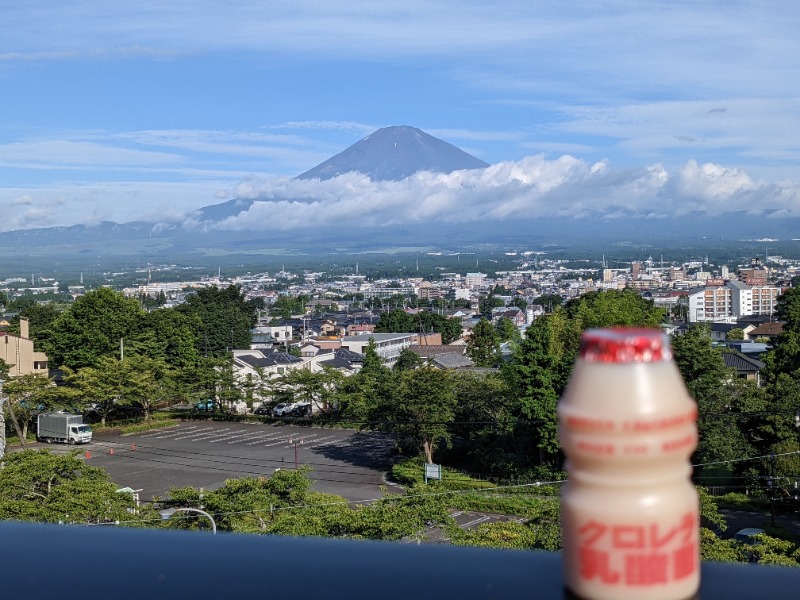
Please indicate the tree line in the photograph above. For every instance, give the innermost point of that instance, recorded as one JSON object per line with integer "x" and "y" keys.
{"x": 111, "y": 353}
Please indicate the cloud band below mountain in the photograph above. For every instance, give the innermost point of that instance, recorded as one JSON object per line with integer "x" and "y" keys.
{"x": 527, "y": 189}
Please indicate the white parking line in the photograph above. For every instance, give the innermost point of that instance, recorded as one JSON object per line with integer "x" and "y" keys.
{"x": 280, "y": 442}
{"x": 203, "y": 436}
{"x": 231, "y": 437}
{"x": 202, "y": 431}
{"x": 323, "y": 441}
{"x": 261, "y": 438}
{"x": 475, "y": 522}
{"x": 166, "y": 432}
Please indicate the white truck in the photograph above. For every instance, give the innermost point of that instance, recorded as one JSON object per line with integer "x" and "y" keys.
{"x": 64, "y": 428}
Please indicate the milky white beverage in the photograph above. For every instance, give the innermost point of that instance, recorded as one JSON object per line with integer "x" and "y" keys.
{"x": 629, "y": 511}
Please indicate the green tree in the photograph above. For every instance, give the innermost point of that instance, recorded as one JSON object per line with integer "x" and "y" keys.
{"x": 10, "y": 407}
{"x": 362, "y": 395}
{"x": 396, "y": 321}
{"x": 489, "y": 302}
{"x": 505, "y": 330}
{"x": 40, "y": 318}
{"x": 450, "y": 328}
{"x": 701, "y": 364}
{"x": 213, "y": 379}
{"x": 538, "y": 373}
{"x": 482, "y": 346}
{"x": 320, "y": 389}
{"x": 399, "y": 321}
{"x": 222, "y": 318}
{"x": 785, "y": 355}
{"x": 168, "y": 335}
{"x": 520, "y": 303}
{"x": 29, "y": 395}
{"x": 483, "y": 404}
{"x": 111, "y": 383}
{"x": 549, "y": 301}
{"x": 92, "y": 328}
{"x": 286, "y": 306}
{"x": 158, "y": 382}
{"x": 421, "y": 409}
{"x": 614, "y": 308}
{"x": 735, "y": 335}
{"x": 408, "y": 360}
{"x": 46, "y": 487}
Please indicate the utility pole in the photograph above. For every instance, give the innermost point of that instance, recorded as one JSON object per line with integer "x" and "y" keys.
{"x": 295, "y": 443}
{"x": 2, "y": 423}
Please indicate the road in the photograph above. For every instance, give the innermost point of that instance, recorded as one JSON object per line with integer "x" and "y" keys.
{"x": 206, "y": 453}
{"x": 739, "y": 519}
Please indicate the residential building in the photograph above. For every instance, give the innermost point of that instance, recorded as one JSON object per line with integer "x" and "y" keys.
{"x": 710, "y": 304}
{"x": 360, "y": 328}
{"x": 474, "y": 280}
{"x": 745, "y": 367}
{"x": 752, "y": 300}
{"x": 278, "y": 333}
{"x": 767, "y": 331}
{"x": 427, "y": 291}
{"x": 387, "y": 345}
{"x": 269, "y": 361}
{"x": 753, "y": 276}
{"x": 18, "y": 353}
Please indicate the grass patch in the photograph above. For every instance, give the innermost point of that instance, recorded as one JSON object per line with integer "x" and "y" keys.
{"x": 519, "y": 505}
{"x": 737, "y": 501}
{"x": 529, "y": 501}
{"x": 411, "y": 472}
{"x": 157, "y": 424}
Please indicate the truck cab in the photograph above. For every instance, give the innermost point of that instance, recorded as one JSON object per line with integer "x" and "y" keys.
{"x": 80, "y": 434}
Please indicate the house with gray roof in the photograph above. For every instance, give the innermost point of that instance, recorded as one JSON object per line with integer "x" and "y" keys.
{"x": 745, "y": 367}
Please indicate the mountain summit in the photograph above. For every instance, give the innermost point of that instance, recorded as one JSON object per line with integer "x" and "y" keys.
{"x": 394, "y": 153}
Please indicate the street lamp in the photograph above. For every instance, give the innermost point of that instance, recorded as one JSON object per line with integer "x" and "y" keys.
{"x": 166, "y": 515}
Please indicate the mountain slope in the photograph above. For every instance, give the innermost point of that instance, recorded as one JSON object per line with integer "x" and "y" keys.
{"x": 394, "y": 153}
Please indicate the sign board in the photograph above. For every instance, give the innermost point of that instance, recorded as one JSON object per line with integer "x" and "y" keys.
{"x": 432, "y": 471}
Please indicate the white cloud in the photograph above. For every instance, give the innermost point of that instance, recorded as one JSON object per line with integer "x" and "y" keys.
{"x": 50, "y": 154}
{"x": 512, "y": 191}
{"x": 527, "y": 189}
{"x": 766, "y": 127}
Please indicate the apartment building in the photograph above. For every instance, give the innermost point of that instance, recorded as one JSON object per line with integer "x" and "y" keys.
{"x": 387, "y": 345}
{"x": 733, "y": 300}
{"x": 710, "y": 304}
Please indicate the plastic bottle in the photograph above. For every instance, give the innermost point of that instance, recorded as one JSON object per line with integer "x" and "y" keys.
{"x": 629, "y": 511}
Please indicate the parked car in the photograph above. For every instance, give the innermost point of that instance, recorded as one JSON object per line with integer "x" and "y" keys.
{"x": 292, "y": 409}
{"x": 748, "y": 535}
{"x": 205, "y": 405}
{"x": 263, "y": 410}
{"x": 301, "y": 409}
{"x": 282, "y": 409}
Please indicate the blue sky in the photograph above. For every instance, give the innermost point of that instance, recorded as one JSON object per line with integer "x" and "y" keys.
{"x": 151, "y": 109}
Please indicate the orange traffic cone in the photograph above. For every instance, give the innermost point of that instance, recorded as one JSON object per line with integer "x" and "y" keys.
{"x": 88, "y": 454}
{"x": 133, "y": 446}
{"x": 111, "y": 451}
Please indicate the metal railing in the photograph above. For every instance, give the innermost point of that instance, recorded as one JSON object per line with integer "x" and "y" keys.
{"x": 100, "y": 562}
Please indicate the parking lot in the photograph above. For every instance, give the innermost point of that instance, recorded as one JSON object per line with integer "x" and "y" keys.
{"x": 206, "y": 453}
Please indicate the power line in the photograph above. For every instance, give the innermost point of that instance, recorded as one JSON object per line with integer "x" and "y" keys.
{"x": 735, "y": 460}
